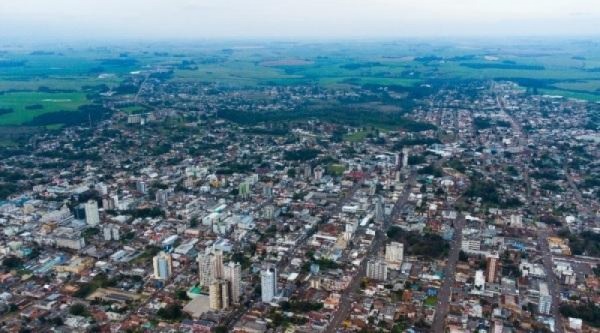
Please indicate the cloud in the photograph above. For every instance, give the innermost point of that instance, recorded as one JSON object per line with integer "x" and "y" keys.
{"x": 152, "y": 19}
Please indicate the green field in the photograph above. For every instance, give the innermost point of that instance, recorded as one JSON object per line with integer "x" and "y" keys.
{"x": 50, "y": 77}
{"x": 47, "y": 102}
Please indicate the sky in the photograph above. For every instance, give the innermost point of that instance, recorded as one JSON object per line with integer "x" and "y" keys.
{"x": 217, "y": 19}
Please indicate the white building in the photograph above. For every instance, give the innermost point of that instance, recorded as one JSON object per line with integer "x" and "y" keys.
{"x": 394, "y": 254}
{"x": 470, "y": 245}
{"x": 233, "y": 274}
{"x": 377, "y": 270}
{"x": 480, "y": 280}
{"x": 545, "y": 303}
{"x": 92, "y": 217}
{"x": 162, "y": 266}
{"x": 268, "y": 283}
{"x": 111, "y": 232}
{"x": 210, "y": 266}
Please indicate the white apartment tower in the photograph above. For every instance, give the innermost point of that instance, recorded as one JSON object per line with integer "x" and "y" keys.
{"x": 233, "y": 274}
{"x": 268, "y": 283}
{"x": 162, "y": 266}
{"x": 394, "y": 254}
{"x": 92, "y": 217}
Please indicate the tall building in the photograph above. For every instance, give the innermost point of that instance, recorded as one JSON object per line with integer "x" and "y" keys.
{"x": 268, "y": 283}
{"x": 244, "y": 190}
{"x": 394, "y": 254}
{"x": 405, "y": 153}
{"x": 162, "y": 196}
{"x": 233, "y": 274}
{"x": 379, "y": 210}
{"x": 545, "y": 303}
{"x": 162, "y": 266}
{"x": 92, "y": 217}
{"x": 479, "y": 280}
{"x": 218, "y": 295}
{"x": 491, "y": 268}
{"x": 319, "y": 172}
{"x": 210, "y": 266}
{"x": 377, "y": 270}
{"x": 268, "y": 190}
{"x": 217, "y": 264}
{"x": 111, "y": 232}
{"x": 141, "y": 186}
{"x": 204, "y": 269}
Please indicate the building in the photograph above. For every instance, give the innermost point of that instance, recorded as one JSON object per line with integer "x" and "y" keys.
{"x": 92, "y": 217}
{"x": 470, "y": 245}
{"x": 217, "y": 264}
{"x": 377, "y": 270}
{"x": 218, "y": 294}
{"x": 405, "y": 153}
{"x": 394, "y": 254}
{"x": 233, "y": 274}
{"x": 162, "y": 266}
{"x": 268, "y": 283}
{"x": 111, "y": 232}
{"x": 491, "y": 268}
{"x": 75, "y": 266}
{"x": 479, "y": 280}
{"x": 498, "y": 326}
{"x": 545, "y": 303}
{"x": 379, "y": 210}
{"x": 244, "y": 190}
{"x": 162, "y": 196}
{"x": 319, "y": 172}
{"x": 204, "y": 269}
{"x": 141, "y": 187}
{"x": 210, "y": 266}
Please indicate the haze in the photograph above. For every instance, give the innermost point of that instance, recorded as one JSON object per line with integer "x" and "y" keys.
{"x": 187, "y": 19}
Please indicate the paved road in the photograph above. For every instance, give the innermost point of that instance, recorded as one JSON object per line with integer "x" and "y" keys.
{"x": 553, "y": 285}
{"x": 445, "y": 291}
{"x": 346, "y": 297}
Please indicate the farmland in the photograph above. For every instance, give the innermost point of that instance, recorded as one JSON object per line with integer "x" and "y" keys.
{"x": 36, "y": 80}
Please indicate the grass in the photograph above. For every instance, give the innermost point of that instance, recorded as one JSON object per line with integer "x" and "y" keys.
{"x": 58, "y": 83}
{"x": 430, "y": 301}
{"x": 133, "y": 109}
{"x": 50, "y": 102}
{"x": 336, "y": 169}
{"x": 7, "y": 143}
{"x": 357, "y": 136}
{"x": 582, "y": 86}
{"x": 571, "y": 94}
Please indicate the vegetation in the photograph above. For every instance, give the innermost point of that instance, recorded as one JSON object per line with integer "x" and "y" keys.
{"x": 586, "y": 243}
{"x": 300, "y": 306}
{"x": 428, "y": 245}
{"x": 301, "y": 154}
{"x": 99, "y": 281}
{"x": 171, "y": 312}
{"x": 79, "y": 309}
{"x": 12, "y": 262}
{"x": 588, "y": 312}
{"x": 336, "y": 115}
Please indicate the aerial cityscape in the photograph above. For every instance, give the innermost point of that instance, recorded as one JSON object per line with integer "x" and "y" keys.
{"x": 297, "y": 185}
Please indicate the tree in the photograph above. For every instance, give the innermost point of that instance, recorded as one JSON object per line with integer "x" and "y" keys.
{"x": 181, "y": 295}
{"x": 171, "y": 312}
{"x": 12, "y": 262}
{"x": 78, "y": 309}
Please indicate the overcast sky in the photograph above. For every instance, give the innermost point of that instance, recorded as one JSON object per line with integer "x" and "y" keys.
{"x": 201, "y": 19}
